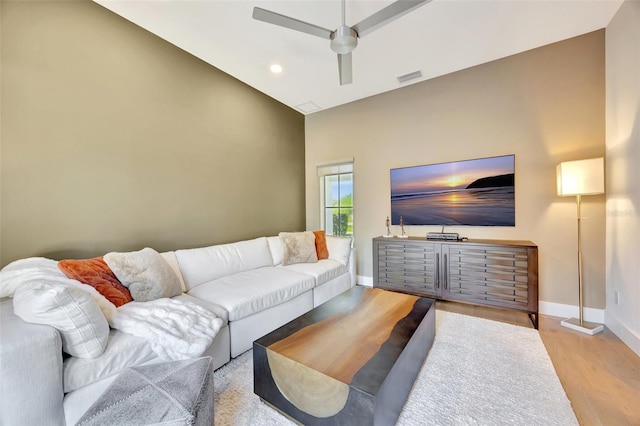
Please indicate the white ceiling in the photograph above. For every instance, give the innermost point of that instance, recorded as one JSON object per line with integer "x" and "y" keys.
{"x": 438, "y": 38}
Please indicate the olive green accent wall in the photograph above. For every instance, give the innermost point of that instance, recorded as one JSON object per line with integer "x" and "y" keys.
{"x": 545, "y": 105}
{"x": 114, "y": 139}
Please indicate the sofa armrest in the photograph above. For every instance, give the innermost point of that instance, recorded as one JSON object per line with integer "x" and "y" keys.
{"x": 352, "y": 266}
{"x": 31, "y": 389}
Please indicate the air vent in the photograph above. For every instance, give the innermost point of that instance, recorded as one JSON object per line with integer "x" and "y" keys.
{"x": 307, "y": 107}
{"x": 410, "y": 76}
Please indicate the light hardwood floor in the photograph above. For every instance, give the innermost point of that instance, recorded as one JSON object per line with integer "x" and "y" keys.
{"x": 600, "y": 374}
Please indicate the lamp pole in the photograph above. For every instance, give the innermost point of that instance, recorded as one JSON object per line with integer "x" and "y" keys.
{"x": 580, "y": 289}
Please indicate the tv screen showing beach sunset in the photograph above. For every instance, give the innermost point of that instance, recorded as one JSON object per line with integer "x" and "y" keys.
{"x": 477, "y": 192}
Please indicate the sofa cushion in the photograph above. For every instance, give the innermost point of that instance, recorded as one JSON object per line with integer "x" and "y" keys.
{"x": 145, "y": 273}
{"x": 123, "y": 350}
{"x": 96, "y": 273}
{"x": 339, "y": 248}
{"x": 248, "y": 292}
{"x": 299, "y": 247}
{"x": 74, "y": 313}
{"x": 323, "y": 270}
{"x": 201, "y": 265}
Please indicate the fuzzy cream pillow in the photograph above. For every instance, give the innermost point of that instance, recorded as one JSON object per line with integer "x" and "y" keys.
{"x": 145, "y": 273}
{"x": 299, "y": 247}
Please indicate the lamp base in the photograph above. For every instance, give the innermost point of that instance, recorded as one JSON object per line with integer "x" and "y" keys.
{"x": 586, "y": 327}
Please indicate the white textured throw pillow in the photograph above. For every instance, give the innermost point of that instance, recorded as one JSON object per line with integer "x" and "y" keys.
{"x": 339, "y": 248}
{"x": 73, "y": 312}
{"x": 276, "y": 248}
{"x": 145, "y": 273}
{"x": 299, "y": 247}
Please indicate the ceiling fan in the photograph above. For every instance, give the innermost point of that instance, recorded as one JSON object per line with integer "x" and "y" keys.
{"x": 344, "y": 39}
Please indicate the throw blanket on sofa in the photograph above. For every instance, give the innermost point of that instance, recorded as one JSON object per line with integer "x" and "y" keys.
{"x": 40, "y": 270}
{"x": 176, "y": 330}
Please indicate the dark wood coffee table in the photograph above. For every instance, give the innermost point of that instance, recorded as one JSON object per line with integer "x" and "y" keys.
{"x": 352, "y": 360}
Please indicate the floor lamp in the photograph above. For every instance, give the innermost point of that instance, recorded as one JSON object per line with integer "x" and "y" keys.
{"x": 582, "y": 177}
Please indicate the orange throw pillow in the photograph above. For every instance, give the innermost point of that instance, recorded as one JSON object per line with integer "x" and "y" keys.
{"x": 96, "y": 273}
{"x": 321, "y": 245}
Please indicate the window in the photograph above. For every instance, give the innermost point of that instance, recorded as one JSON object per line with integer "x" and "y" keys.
{"x": 336, "y": 197}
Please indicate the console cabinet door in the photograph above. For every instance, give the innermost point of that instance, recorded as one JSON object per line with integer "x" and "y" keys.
{"x": 486, "y": 275}
{"x": 406, "y": 266}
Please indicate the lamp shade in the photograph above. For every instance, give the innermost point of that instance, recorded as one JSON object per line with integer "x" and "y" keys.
{"x": 582, "y": 177}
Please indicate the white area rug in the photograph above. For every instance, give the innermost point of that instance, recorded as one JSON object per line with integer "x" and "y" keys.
{"x": 478, "y": 372}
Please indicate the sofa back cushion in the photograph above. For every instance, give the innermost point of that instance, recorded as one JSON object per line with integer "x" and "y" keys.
{"x": 204, "y": 264}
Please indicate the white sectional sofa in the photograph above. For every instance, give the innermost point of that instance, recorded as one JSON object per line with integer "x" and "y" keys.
{"x": 243, "y": 283}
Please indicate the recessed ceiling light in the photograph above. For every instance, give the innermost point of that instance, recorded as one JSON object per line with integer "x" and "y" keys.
{"x": 276, "y": 69}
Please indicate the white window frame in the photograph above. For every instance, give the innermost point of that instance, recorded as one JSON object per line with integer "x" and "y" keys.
{"x": 334, "y": 168}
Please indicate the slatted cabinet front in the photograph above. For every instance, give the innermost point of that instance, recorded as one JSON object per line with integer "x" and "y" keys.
{"x": 409, "y": 267}
{"x": 495, "y": 273}
{"x": 491, "y": 275}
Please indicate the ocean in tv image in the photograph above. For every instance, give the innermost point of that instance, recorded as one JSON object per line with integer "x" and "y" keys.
{"x": 472, "y": 192}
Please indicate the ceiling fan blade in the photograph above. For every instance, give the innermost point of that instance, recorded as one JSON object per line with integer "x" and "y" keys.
{"x": 344, "y": 69}
{"x": 386, "y": 15}
{"x": 291, "y": 23}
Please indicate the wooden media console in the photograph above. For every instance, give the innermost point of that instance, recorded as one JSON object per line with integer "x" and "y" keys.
{"x": 498, "y": 273}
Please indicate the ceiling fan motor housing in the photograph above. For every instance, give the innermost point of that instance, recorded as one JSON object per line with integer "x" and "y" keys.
{"x": 344, "y": 40}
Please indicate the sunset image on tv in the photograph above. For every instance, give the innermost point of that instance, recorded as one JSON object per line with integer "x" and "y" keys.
{"x": 477, "y": 192}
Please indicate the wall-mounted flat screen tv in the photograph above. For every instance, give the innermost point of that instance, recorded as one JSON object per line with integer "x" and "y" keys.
{"x": 478, "y": 192}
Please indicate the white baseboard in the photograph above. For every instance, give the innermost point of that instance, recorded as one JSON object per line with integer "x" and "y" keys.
{"x": 365, "y": 281}
{"x": 629, "y": 337}
{"x": 570, "y": 311}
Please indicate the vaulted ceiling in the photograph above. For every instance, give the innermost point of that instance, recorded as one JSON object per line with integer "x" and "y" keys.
{"x": 438, "y": 38}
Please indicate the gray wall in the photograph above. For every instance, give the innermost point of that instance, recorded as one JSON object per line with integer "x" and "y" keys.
{"x": 623, "y": 174}
{"x": 545, "y": 106}
{"x": 113, "y": 139}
